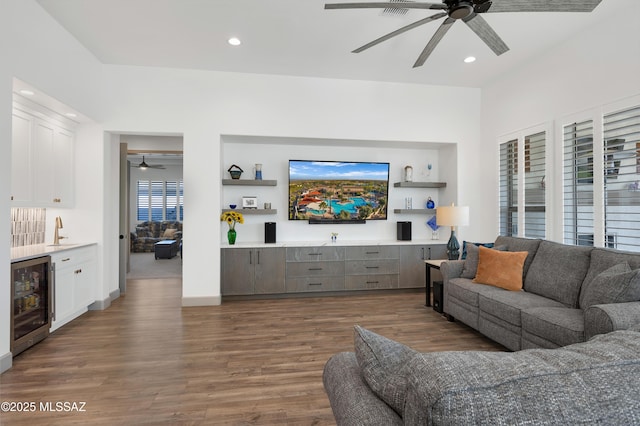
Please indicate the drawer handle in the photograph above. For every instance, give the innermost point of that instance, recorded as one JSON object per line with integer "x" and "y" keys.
{"x": 372, "y": 267}
{"x": 66, "y": 259}
{"x": 373, "y": 282}
{"x": 373, "y": 252}
{"x": 315, "y": 283}
{"x": 315, "y": 254}
{"x": 315, "y": 269}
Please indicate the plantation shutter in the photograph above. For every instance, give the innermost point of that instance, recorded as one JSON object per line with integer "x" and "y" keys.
{"x": 534, "y": 184}
{"x": 172, "y": 200}
{"x": 509, "y": 188}
{"x": 622, "y": 177}
{"x": 157, "y": 200}
{"x": 578, "y": 183}
{"x": 143, "y": 200}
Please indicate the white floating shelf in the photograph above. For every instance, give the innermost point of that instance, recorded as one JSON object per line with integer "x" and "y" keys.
{"x": 414, "y": 211}
{"x": 420, "y": 184}
{"x": 252, "y": 211}
{"x": 249, "y": 182}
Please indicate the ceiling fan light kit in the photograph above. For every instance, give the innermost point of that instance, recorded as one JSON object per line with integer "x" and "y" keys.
{"x": 469, "y": 12}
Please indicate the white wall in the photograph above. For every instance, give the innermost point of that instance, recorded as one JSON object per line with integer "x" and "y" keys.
{"x": 203, "y": 106}
{"x": 596, "y": 67}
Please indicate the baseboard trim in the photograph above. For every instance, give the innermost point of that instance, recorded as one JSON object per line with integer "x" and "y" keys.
{"x": 101, "y": 305}
{"x": 6, "y": 361}
{"x": 201, "y": 301}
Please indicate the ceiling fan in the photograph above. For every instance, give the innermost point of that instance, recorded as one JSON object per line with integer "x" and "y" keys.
{"x": 144, "y": 166}
{"x": 467, "y": 11}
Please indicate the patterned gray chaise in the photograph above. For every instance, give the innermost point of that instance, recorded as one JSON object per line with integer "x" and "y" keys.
{"x": 570, "y": 293}
{"x": 387, "y": 383}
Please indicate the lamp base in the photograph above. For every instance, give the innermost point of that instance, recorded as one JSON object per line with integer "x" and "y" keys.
{"x": 453, "y": 247}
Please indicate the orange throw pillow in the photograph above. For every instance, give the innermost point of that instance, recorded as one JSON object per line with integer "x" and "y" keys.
{"x": 500, "y": 268}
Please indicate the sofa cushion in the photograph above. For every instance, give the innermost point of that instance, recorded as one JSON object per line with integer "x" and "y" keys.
{"x": 617, "y": 284}
{"x": 466, "y": 244}
{"x": 500, "y": 269}
{"x": 586, "y": 383}
{"x": 507, "y": 305}
{"x": 603, "y": 259}
{"x": 169, "y": 233}
{"x": 561, "y": 326}
{"x": 384, "y": 366}
{"x": 470, "y": 267}
{"x": 520, "y": 244}
{"x": 467, "y": 291}
{"x": 557, "y": 272}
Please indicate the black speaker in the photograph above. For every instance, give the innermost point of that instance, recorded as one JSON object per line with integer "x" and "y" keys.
{"x": 437, "y": 296}
{"x": 404, "y": 231}
{"x": 269, "y": 232}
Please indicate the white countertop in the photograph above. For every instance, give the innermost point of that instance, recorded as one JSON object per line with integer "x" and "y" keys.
{"x": 37, "y": 250}
{"x": 339, "y": 243}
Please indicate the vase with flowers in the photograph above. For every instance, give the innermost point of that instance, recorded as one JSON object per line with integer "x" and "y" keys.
{"x": 232, "y": 217}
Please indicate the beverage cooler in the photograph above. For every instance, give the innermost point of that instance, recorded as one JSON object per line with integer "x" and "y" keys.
{"x": 31, "y": 290}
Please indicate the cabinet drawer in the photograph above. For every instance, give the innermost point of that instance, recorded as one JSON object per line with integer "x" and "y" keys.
{"x": 370, "y": 282}
{"x": 371, "y": 267}
{"x": 314, "y": 269}
{"x": 314, "y": 254}
{"x": 305, "y": 284}
{"x": 372, "y": 252}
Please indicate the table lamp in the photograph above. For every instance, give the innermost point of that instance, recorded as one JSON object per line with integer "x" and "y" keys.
{"x": 452, "y": 216}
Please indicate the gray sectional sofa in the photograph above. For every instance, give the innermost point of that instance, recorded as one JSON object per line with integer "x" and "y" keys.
{"x": 570, "y": 293}
{"x": 386, "y": 383}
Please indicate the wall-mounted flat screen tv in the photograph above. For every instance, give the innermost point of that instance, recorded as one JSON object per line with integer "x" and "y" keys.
{"x": 338, "y": 190}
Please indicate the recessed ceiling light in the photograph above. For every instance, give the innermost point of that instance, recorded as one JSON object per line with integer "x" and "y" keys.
{"x": 27, "y": 92}
{"x": 71, "y": 114}
{"x": 234, "y": 41}
{"x": 469, "y": 59}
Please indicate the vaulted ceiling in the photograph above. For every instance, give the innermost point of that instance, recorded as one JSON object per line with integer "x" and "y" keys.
{"x": 301, "y": 38}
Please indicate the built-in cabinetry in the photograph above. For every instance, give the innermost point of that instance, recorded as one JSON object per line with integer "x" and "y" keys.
{"x": 75, "y": 276}
{"x": 275, "y": 270}
{"x": 253, "y": 270}
{"x": 42, "y": 155}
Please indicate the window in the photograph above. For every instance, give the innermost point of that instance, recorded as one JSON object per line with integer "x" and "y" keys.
{"x": 160, "y": 200}
{"x": 621, "y": 192}
{"x": 578, "y": 181}
{"x": 509, "y": 188}
{"x": 526, "y": 216}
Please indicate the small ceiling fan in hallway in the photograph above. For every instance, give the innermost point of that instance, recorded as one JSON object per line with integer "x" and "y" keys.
{"x": 144, "y": 166}
{"x": 469, "y": 11}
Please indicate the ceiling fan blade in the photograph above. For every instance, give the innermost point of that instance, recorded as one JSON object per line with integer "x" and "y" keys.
{"x": 486, "y": 33}
{"x": 400, "y": 31}
{"x": 543, "y": 5}
{"x": 440, "y": 32}
{"x": 386, "y": 5}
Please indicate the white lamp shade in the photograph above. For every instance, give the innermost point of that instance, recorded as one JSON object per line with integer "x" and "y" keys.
{"x": 452, "y": 215}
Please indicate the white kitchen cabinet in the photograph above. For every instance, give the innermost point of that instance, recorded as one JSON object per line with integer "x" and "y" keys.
{"x": 42, "y": 162}
{"x": 74, "y": 284}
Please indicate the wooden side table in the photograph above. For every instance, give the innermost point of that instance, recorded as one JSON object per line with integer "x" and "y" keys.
{"x": 430, "y": 264}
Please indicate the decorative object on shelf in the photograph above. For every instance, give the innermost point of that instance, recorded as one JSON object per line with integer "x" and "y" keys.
{"x": 232, "y": 218}
{"x": 429, "y": 167}
{"x": 232, "y": 206}
{"x": 430, "y": 203}
{"x": 334, "y": 237}
{"x": 258, "y": 171}
{"x": 249, "y": 202}
{"x": 235, "y": 171}
{"x": 267, "y": 206}
{"x": 452, "y": 216}
{"x": 408, "y": 173}
{"x": 431, "y": 223}
{"x": 408, "y": 203}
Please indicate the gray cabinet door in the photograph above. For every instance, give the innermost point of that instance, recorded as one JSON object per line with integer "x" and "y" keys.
{"x": 412, "y": 267}
{"x": 238, "y": 273}
{"x": 269, "y": 270}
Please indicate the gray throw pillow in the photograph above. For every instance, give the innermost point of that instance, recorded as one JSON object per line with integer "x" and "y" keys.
{"x": 470, "y": 266}
{"x": 617, "y": 284}
{"x": 384, "y": 365}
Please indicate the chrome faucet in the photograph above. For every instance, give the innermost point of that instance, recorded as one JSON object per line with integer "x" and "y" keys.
{"x": 56, "y": 236}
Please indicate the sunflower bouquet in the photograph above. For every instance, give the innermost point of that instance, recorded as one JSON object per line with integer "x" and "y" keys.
{"x": 232, "y": 217}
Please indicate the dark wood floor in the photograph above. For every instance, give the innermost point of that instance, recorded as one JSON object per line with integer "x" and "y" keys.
{"x": 146, "y": 360}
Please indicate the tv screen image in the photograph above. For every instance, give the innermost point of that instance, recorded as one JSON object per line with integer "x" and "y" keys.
{"x": 338, "y": 190}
